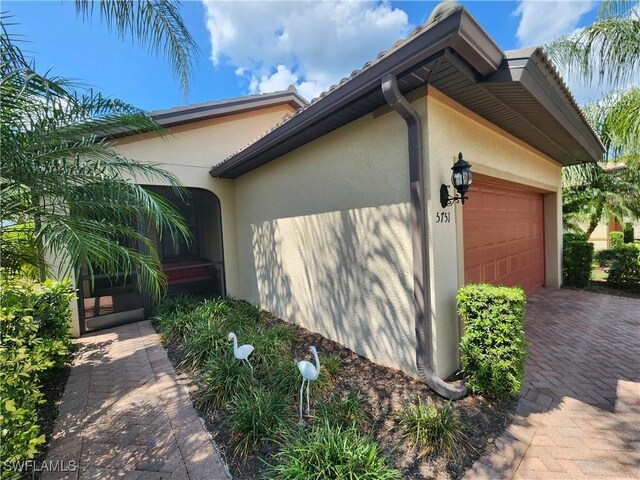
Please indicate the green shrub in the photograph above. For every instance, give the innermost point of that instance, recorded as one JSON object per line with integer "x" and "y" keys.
{"x": 628, "y": 233}
{"x": 34, "y": 337}
{"x": 255, "y": 418}
{"x": 624, "y": 272}
{"x": 616, "y": 240}
{"x": 577, "y": 257}
{"x": 223, "y": 377}
{"x": 429, "y": 428}
{"x": 492, "y": 346}
{"x": 331, "y": 452}
{"x": 604, "y": 257}
{"x": 344, "y": 412}
{"x": 575, "y": 237}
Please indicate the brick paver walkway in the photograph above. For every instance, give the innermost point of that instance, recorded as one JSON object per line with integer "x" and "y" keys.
{"x": 125, "y": 415}
{"x": 579, "y": 412}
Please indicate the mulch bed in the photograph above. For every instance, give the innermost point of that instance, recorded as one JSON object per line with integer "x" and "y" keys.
{"x": 384, "y": 390}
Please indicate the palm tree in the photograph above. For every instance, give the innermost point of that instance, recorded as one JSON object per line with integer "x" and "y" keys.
{"x": 65, "y": 192}
{"x": 610, "y": 195}
{"x": 156, "y": 24}
{"x": 611, "y": 189}
{"x": 608, "y": 50}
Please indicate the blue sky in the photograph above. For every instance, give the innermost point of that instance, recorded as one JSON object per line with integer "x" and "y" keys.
{"x": 255, "y": 47}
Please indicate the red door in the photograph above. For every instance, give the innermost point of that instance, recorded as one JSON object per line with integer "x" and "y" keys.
{"x": 504, "y": 237}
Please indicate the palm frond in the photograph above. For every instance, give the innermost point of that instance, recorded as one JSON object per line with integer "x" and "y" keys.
{"x": 63, "y": 182}
{"x": 616, "y": 8}
{"x": 608, "y": 50}
{"x": 156, "y": 24}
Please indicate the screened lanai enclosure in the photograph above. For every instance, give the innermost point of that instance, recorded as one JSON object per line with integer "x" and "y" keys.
{"x": 194, "y": 268}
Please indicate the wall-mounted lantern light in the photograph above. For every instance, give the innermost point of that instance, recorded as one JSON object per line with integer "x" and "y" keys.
{"x": 461, "y": 179}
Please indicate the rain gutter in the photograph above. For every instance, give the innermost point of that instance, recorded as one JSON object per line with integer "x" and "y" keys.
{"x": 421, "y": 264}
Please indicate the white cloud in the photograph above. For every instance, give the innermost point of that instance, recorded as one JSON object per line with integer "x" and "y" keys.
{"x": 543, "y": 21}
{"x": 308, "y": 44}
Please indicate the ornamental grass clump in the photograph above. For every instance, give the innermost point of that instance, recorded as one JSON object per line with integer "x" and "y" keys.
{"x": 429, "y": 428}
{"x": 330, "y": 368}
{"x": 345, "y": 411}
{"x": 210, "y": 324}
{"x": 328, "y": 451}
{"x": 282, "y": 376}
{"x": 493, "y": 344}
{"x": 272, "y": 342}
{"x": 223, "y": 376}
{"x": 256, "y": 417}
{"x": 207, "y": 338}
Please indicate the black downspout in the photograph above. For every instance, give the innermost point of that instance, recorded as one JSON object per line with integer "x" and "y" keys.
{"x": 421, "y": 268}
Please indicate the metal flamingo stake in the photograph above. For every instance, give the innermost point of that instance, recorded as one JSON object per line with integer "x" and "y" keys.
{"x": 242, "y": 352}
{"x": 309, "y": 373}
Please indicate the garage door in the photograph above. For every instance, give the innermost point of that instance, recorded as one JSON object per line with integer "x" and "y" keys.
{"x": 503, "y": 237}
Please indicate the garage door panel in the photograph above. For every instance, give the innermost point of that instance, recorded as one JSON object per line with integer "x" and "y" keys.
{"x": 504, "y": 237}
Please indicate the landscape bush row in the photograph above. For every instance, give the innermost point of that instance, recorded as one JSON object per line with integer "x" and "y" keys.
{"x": 261, "y": 410}
{"x": 621, "y": 261}
{"x": 34, "y": 339}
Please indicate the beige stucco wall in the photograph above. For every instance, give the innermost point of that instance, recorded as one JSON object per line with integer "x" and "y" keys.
{"x": 492, "y": 153}
{"x": 324, "y": 238}
{"x": 600, "y": 236}
{"x": 324, "y": 242}
{"x": 189, "y": 151}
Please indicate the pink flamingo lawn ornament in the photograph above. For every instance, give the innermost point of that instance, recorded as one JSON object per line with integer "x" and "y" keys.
{"x": 242, "y": 352}
{"x": 309, "y": 373}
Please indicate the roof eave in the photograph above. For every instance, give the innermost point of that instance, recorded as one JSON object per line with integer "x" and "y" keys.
{"x": 531, "y": 71}
{"x": 171, "y": 119}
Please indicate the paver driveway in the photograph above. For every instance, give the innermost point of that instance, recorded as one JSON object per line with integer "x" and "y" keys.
{"x": 579, "y": 413}
{"x": 124, "y": 414}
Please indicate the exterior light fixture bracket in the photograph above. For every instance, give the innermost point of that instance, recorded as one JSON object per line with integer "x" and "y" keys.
{"x": 461, "y": 178}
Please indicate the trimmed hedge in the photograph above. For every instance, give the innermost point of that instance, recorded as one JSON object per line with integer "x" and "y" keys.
{"x": 604, "y": 257}
{"x": 492, "y": 346}
{"x": 575, "y": 237}
{"x": 616, "y": 239}
{"x": 34, "y": 337}
{"x": 628, "y": 233}
{"x": 624, "y": 272}
{"x": 577, "y": 257}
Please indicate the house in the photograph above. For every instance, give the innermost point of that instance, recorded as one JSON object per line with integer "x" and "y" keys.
{"x": 329, "y": 213}
{"x": 601, "y": 235}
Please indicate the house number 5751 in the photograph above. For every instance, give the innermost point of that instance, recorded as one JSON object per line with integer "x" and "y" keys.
{"x": 443, "y": 217}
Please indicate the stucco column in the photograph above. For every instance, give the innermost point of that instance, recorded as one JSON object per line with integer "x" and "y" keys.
{"x": 553, "y": 239}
